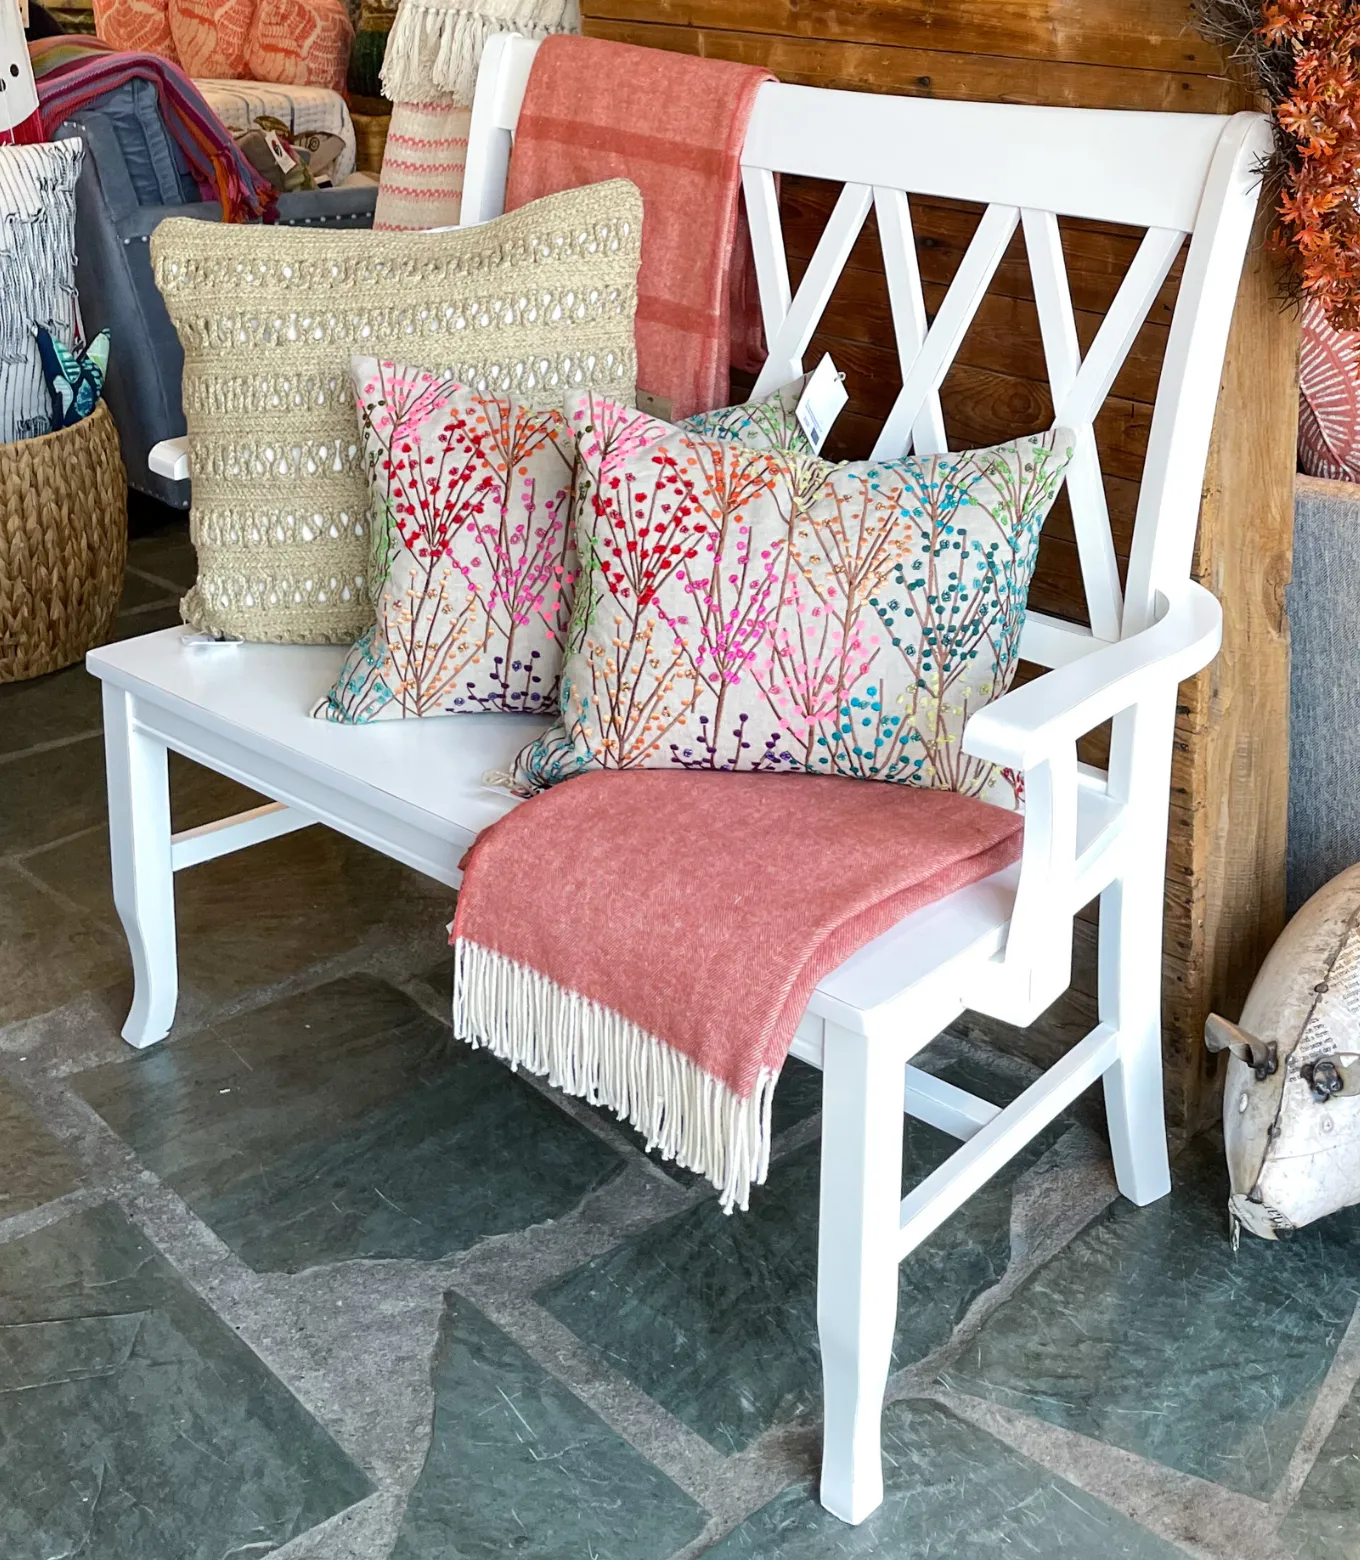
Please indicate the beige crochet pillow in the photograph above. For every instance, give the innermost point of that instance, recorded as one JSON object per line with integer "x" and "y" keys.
{"x": 535, "y": 304}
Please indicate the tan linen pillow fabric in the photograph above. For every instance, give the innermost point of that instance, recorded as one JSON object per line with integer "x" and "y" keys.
{"x": 536, "y": 305}
{"x": 760, "y": 609}
{"x": 471, "y": 515}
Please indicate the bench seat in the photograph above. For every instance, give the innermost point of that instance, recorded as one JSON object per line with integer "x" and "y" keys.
{"x": 411, "y": 788}
{"x": 414, "y": 789}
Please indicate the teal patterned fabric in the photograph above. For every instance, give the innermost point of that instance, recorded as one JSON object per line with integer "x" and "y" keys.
{"x": 767, "y": 424}
{"x": 75, "y": 376}
{"x": 37, "y": 275}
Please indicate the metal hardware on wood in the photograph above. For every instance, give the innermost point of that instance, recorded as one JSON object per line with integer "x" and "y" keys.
{"x": 1262, "y": 1056}
{"x": 1324, "y": 1078}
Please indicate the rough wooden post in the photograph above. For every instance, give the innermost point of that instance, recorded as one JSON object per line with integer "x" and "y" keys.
{"x": 1226, "y": 866}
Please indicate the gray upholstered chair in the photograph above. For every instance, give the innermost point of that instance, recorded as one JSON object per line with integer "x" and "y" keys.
{"x": 1324, "y": 703}
{"x": 134, "y": 177}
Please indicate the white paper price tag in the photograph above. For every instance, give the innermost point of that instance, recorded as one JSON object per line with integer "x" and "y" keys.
{"x": 821, "y": 402}
{"x": 285, "y": 159}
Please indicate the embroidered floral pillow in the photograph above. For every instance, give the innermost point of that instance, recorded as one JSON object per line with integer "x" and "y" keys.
{"x": 763, "y": 610}
{"x": 470, "y": 505}
{"x": 476, "y": 571}
{"x": 768, "y": 424}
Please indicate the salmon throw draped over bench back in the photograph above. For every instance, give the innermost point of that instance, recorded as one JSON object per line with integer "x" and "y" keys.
{"x": 650, "y": 939}
{"x": 675, "y": 126}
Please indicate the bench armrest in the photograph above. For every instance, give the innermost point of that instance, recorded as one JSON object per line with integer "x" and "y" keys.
{"x": 1034, "y": 730}
{"x": 170, "y": 458}
{"x": 1031, "y": 724}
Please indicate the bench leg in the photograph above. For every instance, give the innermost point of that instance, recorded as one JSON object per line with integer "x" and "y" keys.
{"x": 858, "y": 1243}
{"x": 1131, "y": 1000}
{"x": 143, "y": 876}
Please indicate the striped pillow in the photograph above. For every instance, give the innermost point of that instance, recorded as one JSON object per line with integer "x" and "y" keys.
{"x": 37, "y": 275}
{"x": 1329, "y": 398}
{"x": 424, "y": 160}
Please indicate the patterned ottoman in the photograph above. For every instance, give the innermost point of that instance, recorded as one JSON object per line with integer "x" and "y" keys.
{"x": 238, "y": 104}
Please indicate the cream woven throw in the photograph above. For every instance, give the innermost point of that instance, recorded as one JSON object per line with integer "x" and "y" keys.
{"x": 429, "y": 72}
{"x": 423, "y": 165}
{"x": 435, "y": 46}
{"x": 533, "y": 304}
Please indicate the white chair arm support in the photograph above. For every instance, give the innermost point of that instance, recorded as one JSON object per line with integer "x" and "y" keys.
{"x": 170, "y": 458}
{"x": 1032, "y": 724}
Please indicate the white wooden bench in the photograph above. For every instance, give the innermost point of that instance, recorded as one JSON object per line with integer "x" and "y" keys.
{"x": 413, "y": 789}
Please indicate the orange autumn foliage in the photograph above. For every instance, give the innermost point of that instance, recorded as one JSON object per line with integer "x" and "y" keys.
{"x": 1318, "y": 229}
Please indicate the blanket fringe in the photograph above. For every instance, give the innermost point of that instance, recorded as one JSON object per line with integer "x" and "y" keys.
{"x": 588, "y": 1050}
{"x": 435, "y": 46}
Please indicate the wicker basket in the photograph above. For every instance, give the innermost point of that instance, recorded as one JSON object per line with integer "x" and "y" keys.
{"x": 370, "y": 134}
{"x": 63, "y": 545}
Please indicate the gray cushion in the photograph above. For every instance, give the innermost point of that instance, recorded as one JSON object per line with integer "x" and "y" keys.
{"x": 1324, "y": 700}
{"x": 155, "y": 165}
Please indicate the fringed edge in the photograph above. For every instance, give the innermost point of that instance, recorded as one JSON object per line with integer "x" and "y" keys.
{"x": 508, "y": 780}
{"x": 520, "y": 1015}
{"x": 435, "y": 47}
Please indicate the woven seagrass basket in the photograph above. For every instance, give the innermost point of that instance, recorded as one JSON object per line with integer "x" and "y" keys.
{"x": 370, "y": 135}
{"x": 63, "y": 545}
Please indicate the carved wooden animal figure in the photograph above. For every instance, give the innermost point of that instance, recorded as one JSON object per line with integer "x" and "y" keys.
{"x": 1291, "y": 1106}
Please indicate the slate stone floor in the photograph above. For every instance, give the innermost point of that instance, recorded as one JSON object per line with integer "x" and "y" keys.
{"x": 312, "y": 1280}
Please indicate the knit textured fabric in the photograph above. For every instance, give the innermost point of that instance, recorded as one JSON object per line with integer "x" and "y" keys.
{"x": 429, "y": 73}
{"x": 423, "y": 165}
{"x": 651, "y": 940}
{"x": 532, "y": 305}
{"x": 435, "y": 46}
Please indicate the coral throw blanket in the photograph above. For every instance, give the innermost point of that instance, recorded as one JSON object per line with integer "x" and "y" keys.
{"x": 674, "y": 125}
{"x": 650, "y": 939}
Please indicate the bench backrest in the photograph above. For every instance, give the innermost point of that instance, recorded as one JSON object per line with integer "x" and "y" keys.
{"x": 1174, "y": 175}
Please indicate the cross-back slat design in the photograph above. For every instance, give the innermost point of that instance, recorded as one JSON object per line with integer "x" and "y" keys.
{"x": 937, "y": 352}
{"x": 1079, "y": 385}
{"x": 1079, "y": 388}
{"x": 907, "y": 299}
{"x": 1085, "y": 488}
{"x": 1170, "y": 174}
{"x": 789, "y": 332}
{"x": 767, "y": 244}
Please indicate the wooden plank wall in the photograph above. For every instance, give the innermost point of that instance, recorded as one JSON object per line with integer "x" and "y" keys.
{"x": 1225, "y": 880}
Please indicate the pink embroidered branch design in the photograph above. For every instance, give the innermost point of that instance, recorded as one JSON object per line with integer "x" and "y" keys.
{"x": 525, "y": 539}
{"x": 474, "y": 528}
{"x": 678, "y": 515}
